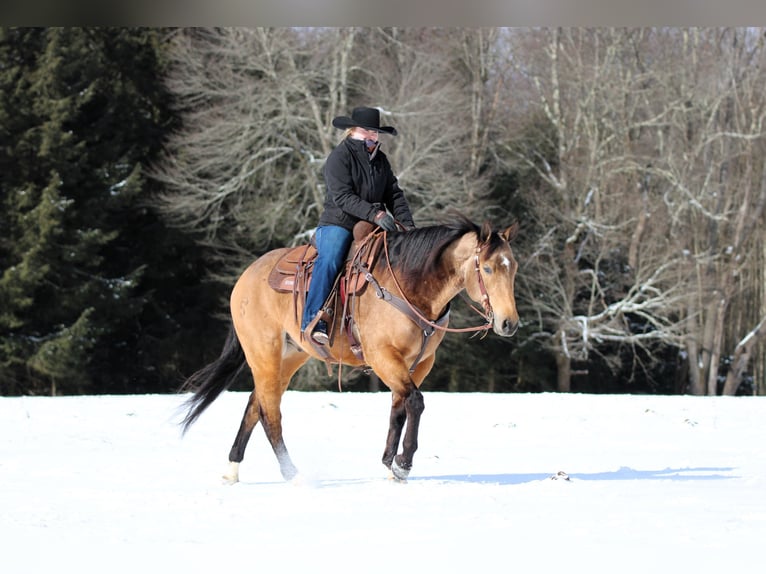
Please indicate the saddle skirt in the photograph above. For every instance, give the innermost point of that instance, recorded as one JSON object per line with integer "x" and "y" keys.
{"x": 293, "y": 268}
{"x": 292, "y": 272}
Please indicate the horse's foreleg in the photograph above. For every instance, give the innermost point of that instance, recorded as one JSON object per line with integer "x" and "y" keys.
{"x": 395, "y": 427}
{"x": 407, "y": 407}
{"x": 414, "y": 407}
{"x": 237, "y": 452}
{"x": 404, "y": 409}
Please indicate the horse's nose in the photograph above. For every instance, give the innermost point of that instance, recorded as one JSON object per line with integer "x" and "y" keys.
{"x": 508, "y": 328}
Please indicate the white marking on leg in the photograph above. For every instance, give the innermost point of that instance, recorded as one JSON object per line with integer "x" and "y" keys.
{"x": 399, "y": 472}
{"x": 231, "y": 476}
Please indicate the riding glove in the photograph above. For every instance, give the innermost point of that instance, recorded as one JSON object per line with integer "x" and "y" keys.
{"x": 385, "y": 220}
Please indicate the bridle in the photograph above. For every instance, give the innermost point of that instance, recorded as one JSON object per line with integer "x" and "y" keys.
{"x": 488, "y": 314}
{"x": 427, "y": 326}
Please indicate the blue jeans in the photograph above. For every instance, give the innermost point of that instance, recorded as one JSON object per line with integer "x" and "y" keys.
{"x": 332, "y": 243}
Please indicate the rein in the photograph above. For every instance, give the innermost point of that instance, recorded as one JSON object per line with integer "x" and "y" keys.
{"x": 427, "y": 326}
{"x": 487, "y": 315}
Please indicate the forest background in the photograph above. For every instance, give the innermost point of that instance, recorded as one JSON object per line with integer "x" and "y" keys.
{"x": 142, "y": 169}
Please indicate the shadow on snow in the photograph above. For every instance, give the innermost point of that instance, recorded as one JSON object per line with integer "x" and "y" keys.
{"x": 623, "y": 473}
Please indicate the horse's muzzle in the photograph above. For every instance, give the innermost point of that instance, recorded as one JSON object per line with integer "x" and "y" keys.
{"x": 506, "y": 327}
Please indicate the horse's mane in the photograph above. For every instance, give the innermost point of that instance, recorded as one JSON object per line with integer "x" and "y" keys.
{"x": 417, "y": 253}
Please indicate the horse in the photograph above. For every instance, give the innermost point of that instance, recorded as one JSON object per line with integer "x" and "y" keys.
{"x": 399, "y": 324}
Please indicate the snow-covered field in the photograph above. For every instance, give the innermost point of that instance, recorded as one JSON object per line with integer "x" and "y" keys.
{"x": 657, "y": 484}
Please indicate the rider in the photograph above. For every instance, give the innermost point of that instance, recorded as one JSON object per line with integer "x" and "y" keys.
{"x": 360, "y": 185}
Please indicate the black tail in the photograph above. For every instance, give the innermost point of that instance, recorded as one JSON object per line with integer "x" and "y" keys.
{"x": 211, "y": 380}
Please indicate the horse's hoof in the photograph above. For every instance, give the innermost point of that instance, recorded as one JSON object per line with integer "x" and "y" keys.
{"x": 399, "y": 472}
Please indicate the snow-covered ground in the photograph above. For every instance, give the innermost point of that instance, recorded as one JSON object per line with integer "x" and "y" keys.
{"x": 657, "y": 484}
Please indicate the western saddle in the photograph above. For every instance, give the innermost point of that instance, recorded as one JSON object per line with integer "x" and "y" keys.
{"x": 292, "y": 274}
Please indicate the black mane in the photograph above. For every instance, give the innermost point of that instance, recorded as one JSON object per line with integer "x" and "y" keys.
{"x": 416, "y": 254}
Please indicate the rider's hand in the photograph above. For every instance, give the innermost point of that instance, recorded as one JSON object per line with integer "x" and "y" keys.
{"x": 385, "y": 220}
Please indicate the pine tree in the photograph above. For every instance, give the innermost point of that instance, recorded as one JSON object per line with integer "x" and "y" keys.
{"x": 81, "y": 112}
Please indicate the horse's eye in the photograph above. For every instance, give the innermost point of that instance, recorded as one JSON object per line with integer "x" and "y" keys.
{"x": 487, "y": 270}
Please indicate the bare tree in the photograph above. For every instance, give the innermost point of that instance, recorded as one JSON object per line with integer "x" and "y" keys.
{"x": 437, "y": 85}
{"x": 257, "y": 105}
{"x": 245, "y": 168}
{"x": 602, "y": 269}
{"x": 713, "y": 171}
{"x": 655, "y": 163}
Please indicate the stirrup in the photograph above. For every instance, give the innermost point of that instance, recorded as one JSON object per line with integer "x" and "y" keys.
{"x": 320, "y": 341}
{"x": 320, "y": 338}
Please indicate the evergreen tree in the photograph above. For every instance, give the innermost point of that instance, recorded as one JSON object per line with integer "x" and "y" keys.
{"x": 81, "y": 111}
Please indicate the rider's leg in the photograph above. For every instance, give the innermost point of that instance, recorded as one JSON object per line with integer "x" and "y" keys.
{"x": 332, "y": 243}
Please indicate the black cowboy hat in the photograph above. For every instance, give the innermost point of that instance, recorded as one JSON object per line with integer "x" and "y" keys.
{"x": 367, "y": 118}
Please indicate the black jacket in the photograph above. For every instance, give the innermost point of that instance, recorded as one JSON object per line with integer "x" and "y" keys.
{"x": 357, "y": 187}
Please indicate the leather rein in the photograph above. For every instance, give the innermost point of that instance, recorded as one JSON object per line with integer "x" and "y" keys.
{"x": 427, "y": 326}
{"x": 439, "y": 324}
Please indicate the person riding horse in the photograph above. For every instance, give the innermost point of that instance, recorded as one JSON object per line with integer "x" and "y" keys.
{"x": 360, "y": 186}
{"x": 395, "y": 325}
{"x": 400, "y": 321}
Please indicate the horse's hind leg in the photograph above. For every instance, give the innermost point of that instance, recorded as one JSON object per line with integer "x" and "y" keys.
{"x": 271, "y": 418}
{"x": 264, "y": 405}
{"x": 237, "y": 453}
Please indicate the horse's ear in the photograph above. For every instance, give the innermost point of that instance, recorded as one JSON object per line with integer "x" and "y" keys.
{"x": 485, "y": 233}
{"x": 511, "y": 232}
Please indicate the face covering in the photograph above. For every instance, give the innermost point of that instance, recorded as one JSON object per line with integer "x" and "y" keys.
{"x": 371, "y": 145}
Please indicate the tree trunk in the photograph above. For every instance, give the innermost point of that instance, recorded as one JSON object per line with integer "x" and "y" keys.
{"x": 693, "y": 351}
{"x": 491, "y": 381}
{"x": 715, "y": 347}
{"x": 695, "y": 369}
{"x": 741, "y": 358}
{"x": 639, "y": 231}
{"x": 454, "y": 381}
{"x": 563, "y": 371}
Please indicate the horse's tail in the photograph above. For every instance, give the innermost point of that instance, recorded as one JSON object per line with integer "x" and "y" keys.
{"x": 211, "y": 380}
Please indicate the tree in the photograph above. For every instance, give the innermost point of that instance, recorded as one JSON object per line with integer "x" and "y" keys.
{"x": 650, "y": 189}
{"x": 711, "y": 166}
{"x": 257, "y": 105}
{"x": 80, "y": 111}
{"x": 244, "y": 170}
{"x": 592, "y": 276}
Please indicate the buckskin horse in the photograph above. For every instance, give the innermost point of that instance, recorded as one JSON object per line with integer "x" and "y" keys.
{"x": 393, "y": 326}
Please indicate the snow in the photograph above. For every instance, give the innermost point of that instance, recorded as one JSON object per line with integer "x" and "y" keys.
{"x": 657, "y": 484}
